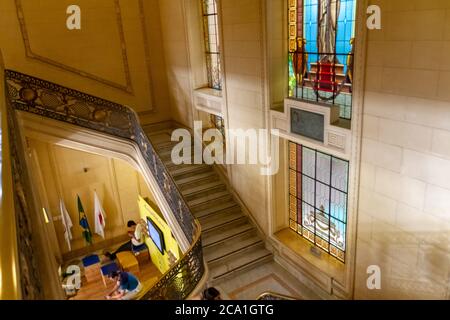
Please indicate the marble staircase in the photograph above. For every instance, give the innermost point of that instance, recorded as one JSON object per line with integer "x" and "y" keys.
{"x": 231, "y": 242}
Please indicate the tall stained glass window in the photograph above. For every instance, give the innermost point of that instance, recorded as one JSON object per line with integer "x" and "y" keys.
{"x": 321, "y": 51}
{"x": 212, "y": 46}
{"x": 318, "y": 186}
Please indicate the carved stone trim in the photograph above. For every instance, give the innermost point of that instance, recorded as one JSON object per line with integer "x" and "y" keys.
{"x": 29, "y": 52}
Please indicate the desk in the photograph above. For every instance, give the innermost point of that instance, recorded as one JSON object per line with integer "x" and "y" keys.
{"x": 128, "y": 262}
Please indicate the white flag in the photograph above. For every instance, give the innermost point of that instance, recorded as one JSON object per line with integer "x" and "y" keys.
{"x": 99, "y": 215}
{"x": 67, "y": 223}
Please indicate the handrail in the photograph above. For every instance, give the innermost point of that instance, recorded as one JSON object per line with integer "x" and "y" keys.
{"x": 9, "y": 269}
{"x": 47, "y": 99}
{"x": 56, "y": 102}
{"x": 182, "y": 278}
{"x": 29, "y": 281}
{"x": 274, "y": 296}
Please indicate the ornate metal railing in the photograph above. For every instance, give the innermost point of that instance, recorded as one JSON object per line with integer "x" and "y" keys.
{"x": 53, "y": 101}
{"x": 179, "y": 282}
{"x": 275, "y": 296}
{"x": 40, "y": 97}
{"x": 30, "y": 282}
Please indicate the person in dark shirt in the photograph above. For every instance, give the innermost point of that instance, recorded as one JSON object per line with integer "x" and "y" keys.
{"x": 211, "y": 293}
{"x": 126, "y": 288}
{"x": 136, "y": 242}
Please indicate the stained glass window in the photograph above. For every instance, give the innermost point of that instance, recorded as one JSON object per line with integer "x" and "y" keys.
{"x": 212, "y": 46}
{"x": 321, "y": 51}
{"x": 218, "y": 123}
{"x": 318, "y": 186}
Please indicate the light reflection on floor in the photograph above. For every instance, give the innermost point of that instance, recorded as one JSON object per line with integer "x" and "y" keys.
{"x": 268, "y": 277}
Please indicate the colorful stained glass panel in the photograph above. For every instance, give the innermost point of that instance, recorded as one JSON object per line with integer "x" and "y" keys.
{"x": 318, "y": 198}
{"x": 323, "y": 168}
{"x": 339, "y": 177}
{"x": 321, "y": 50}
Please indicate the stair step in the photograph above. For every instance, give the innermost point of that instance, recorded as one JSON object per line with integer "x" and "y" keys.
{"x": 214, "y": 221}
{"x": 215, "y": 208}
{"x": 184, "y": 171}
{"x": 157, "y": 137}
{"x": 206, "y": 180}
{"x": 161, "y": 146}
{"x": 169, "y": 164}
{"x": 206, "y": 177}
{"x": 240, "y": 263}
{"x": 208, "y": 204}
{"x": 203, "y": 190}
{"x": 229, "y": 231}
{"x": 234, "y": 209}
{"x": 231, "y": 248}
{"x": 209, "y": 198}
{"x": 166, "y": 154}
{"x": 201, "y": 187}
{"x": 168, "y": 145}
{"x": 239, "y": 251}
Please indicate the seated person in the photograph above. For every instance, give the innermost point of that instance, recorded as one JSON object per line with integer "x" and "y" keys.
{"x": 126, "y": 288}
{"x": 137, "y": 234}
{"x": 136, "y": 243}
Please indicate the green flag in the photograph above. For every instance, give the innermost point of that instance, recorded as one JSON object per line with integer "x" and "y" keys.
{"x": 84, "y": 222}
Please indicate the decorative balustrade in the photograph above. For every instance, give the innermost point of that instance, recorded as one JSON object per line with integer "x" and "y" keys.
{"x": 40, "y": 97}
{"x": 53, "y": 101}
{"x": 183, "y": 277}
{"x": 25, "y": 259}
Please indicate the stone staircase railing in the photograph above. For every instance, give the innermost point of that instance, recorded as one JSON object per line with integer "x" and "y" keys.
{"x": 43, "y": 98}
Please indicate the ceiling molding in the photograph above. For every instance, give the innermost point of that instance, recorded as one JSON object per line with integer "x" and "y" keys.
{"x": 30, "y": 54}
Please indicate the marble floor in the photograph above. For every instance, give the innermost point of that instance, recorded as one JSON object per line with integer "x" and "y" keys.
{"x": 268, "y": 277}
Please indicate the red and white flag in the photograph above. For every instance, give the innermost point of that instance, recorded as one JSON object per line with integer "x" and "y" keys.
{"x": 99, "y": 215}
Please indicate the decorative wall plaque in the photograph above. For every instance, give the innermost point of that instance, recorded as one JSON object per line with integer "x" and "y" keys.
{"x": 308, "y": 124}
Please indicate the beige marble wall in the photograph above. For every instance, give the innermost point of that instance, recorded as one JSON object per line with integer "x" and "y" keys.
{"x": 277, "y": 47}
{"x": 63, "y": 173}
{"x": 404, "y": 211}
{"x": 116, "y": 56}
{"x": 176, "y": 54}
{"x": 244, "y": 61}
{"x": 404, "y": 205}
